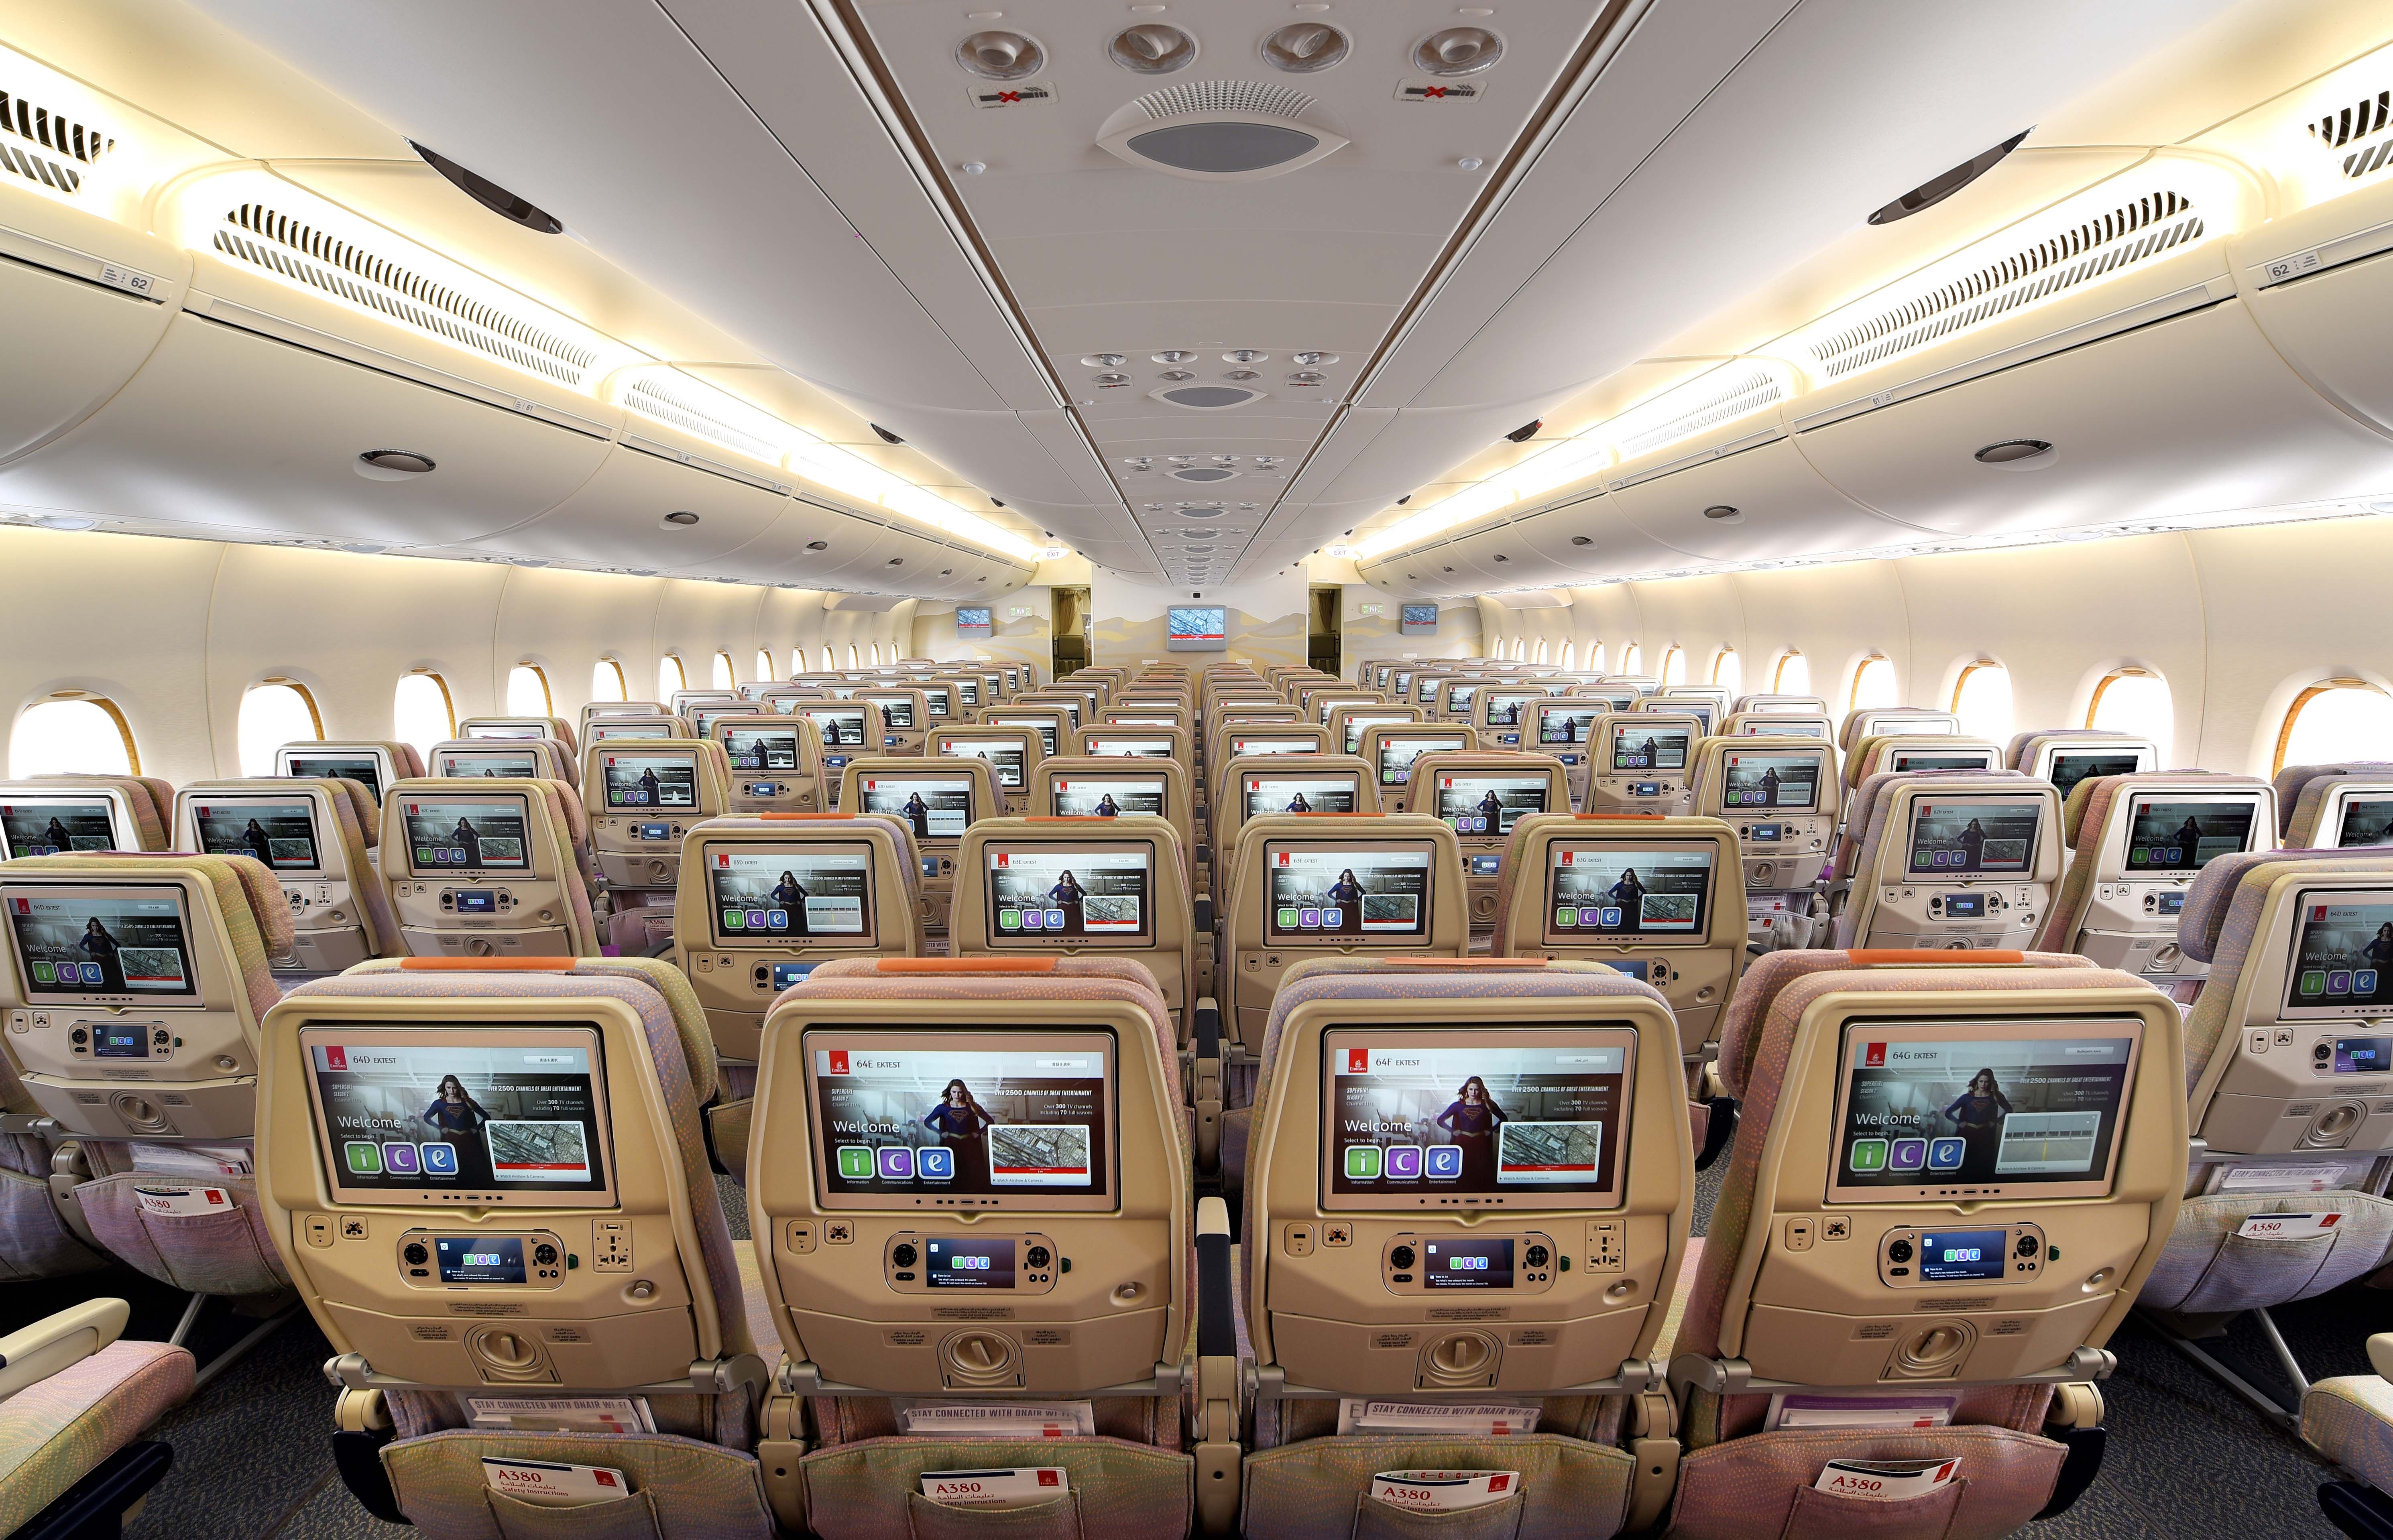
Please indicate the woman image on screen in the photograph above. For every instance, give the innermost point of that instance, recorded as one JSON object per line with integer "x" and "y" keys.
{"x": 2189, "y": 836}
{"x": 791, "y": 898}
{"x": 1067, "y": 894}
{"x": 2379, "y": 949}
{"x": 468, "y": 842}
{"x": 1346, "y": 894}
{"x": 56, "y": 838}
{"x": 1472, "y": 1118}
{"x": 254, "y": 839}
{"x": 101, "y": 947}
{"x": 918, "y": 813}
{"x": 1972, "y": 841}
{"x": 1299, "y": 803}
{"x": 1491, "y": 810}
{"x": 963, "y": 1126}
{"x": 461, "y": 1120}
{"x": 1629, "y": 894}
{"x": 1107, "y": 807}
{"x": 1976, "y": 1115}
{"x": 649, "y": 788}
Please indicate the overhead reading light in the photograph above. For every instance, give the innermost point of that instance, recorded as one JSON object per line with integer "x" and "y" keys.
{"x": 1306, "y": 47}
{"x": 1934, "y": 190}
{"x": 1457, "y": 51}
{"x": 67, "y": 522}
{"x": 491, "y": 196}
{"x": 1219, "y": 131}
{"x": 886, "y": 437}
{"x": 1152, "y": 48}
{"x": 1581, "y": 539}
{"x": 1000, "y": 56}
{"x": 394, "y": 464}
{"x": 1174, "y": 355}
{"x": 681, "y": 519}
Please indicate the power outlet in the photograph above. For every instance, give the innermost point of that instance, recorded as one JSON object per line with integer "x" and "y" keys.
{"x": 613, "y": 1251}
{"x": 1607, "y": 1245}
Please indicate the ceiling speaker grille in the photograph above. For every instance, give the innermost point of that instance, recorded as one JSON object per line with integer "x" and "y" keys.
{"x": 654, "y": 398}
{"x": 41, "y": 146}
{"x": 265, "y": 238}
{"x": 1259, "y": 97}
{"x": 1718, "y": 397}
{"x": 2092, "y": 248}
{"x": 2364, "y": 121}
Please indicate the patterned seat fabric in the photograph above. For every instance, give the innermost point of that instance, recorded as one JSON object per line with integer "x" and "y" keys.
{"x": 2294, "y": 779}
{"x": 2082, "y": 820}
{"x": 35, "y": 1239}
{"x": 151, "y": 801}
{"x": 2350, "y": 1419}
{"x": 57, "y": 1432}
{"x": 2313, "y": 782}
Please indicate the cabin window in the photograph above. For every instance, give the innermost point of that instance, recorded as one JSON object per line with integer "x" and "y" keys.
{"x": 670, "y": 677}
{"x": 1873, "y": 684}
{"x": 273, "y": 714}
{"x": 1570, "y": 650}
{"x": 2336, "y": 720}
{"x": 874, "y": 658}
{"x": 606, "y": 682}
{"x": 1595, "y": 657}
{"x": 2135, "y": 700}
{"x": 1630, "y": 657}
{"x": 422, "y": 711}
{"x": 1543, "y": 644}
{"x": 851, "y": 656}
{"x": 1982, "y": 698}
{"x": 1674, "y": 666}
{"x": 828, "y": 664}
{"x": 1793, "y": 676}
{"x": 1728, "y": 672}
{"x": 797, "y": 661}
{"x": 72, "y": 734}
{"x": 528, "y": 692}
{"x": 764, "y": 667}
{"x": 723, "y": 678}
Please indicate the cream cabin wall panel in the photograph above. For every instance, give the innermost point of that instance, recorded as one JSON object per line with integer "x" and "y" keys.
{"x": 1836, "y": 616}
{"x": 566, "y": 621}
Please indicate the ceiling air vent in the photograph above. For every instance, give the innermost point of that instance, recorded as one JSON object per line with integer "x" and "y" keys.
{"x": 1719, "y": 396}
{"x": 1207, "y": 397}
{"x": 262, "y": 237}
{"x": 41, "y": 146}
{"x": 2363, "y": 128}
{"x": 2094, "y": 248}
{"x": 653, "y": 396}
{"x": 1219, "y": 131}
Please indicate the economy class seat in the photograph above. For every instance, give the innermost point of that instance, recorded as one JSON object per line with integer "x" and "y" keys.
{"x": 55, "y": 815}
{"x": 1639, "y": 761}
{"x": 374, "y": 763}
{"x": 2066, "y": 755}
{"x": 1829, "y": 1269}
{"x": 1783, "y": 795}
{"x": 1953, "y": 859}
{"x": 1903, "y": 752}
{"x": 618, "y": 1277}
{"x": 75, "y": 1397}
{"x": 1064, "y": 1301}
{"x": 308, "y": 834}
{"x": 2335, "y": 806}
{"x": 517, "y": 888}
{"x": 1875, "y": 721}
{"x": 1373, "y": 1305}
{"x": 2348, "y": 1421}
{"x": 544, "y": 759}
{"x": 937, "y": 798}
{"x": 557, "y": 729}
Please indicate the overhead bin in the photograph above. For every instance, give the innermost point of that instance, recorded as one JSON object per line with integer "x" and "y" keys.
{"x": 86, "y": 300}
{"x": 621, "y": 514}
{"x": 1751, "y": 503}
{"x": 2320, "y": 283}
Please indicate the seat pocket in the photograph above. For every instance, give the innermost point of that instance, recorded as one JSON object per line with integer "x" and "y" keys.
{"x": 225, "y": 1252}
{"x": 633, "y": 1517}
{"x": 1117, "y": 1488}
{"x": 1498, "y": 1520}
{"x": 1570, "y": 1489}
{"x": 1057, "y": 1518}
{"x": 34, "y": 1241}
{"x": 2209, "y": 1269}
{"x": 1761, "y": 1484}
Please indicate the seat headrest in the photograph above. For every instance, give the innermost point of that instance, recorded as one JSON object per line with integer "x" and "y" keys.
{"x": 2212, "y": 895}
{"x": 2293, "y": 778}
{"x": 249, "y": 895}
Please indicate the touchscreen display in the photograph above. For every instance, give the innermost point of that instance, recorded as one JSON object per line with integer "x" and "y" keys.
{"x": 134, "y": 942}
{"x": 896, "y": 710}
{"x": 1004, "y": 759}
{"x": 1793, "y": 726}
{"x": 903, "y": 1123}
{"x": 485, "y": 764}
{"x": 1964, "y": 1256}
{"x": 1110, "y": 745}
{"x": 2366, "y": 822}
{"x": 2068, "y": 769}
{"x": 1919, "y": 1112}
{"x": 1397, "y": 751}
{"x": 281, "y": 834}
{"x": 1459, "y": 698}
{"x": 1488, "y": 805}
{"x": 761, "y": 748}
{"x": 968, "y": 691}
{"x": 1298, "y": 794}
{"x": 1416, "y": 1114}
{"x": 467, "y": 837}
{"x": 1426, "y": 692}
{"x": 1331, "y": 895}
{"x": 1328, "y": 703}
{"x": 606, "y": 733}
{"x": 1073, "y": 895}
{"x": 2184, "y": 836}
{"x": 791, "y": 893}
{"x": 1567, "y": 723}
{"x": 936, "y": 808}
{"x": 968, "y": 1261}
{"x": 362, "y": 768}
{"x": 2343, "y": 957}
{"x": 934, "y": 700}
{"x": 55, "y": 829}
{"x": 1504, "y": 706}
{"x": 1973, "y": 837}
{"x": 1357, "y": 723}
{"x": 1770, "y": 780}
{"x": 644, "y": 781}
{"x": 506, "y": 729}
{"x": 1637, "y": 747}
{"x": 1242, "y": 744}
{"x": 1966, "y": 759}
{"x": 841, "y": 726}
{"x": 1640, "y": 890}
{"x": 479, "y": 1259}
{"x": 1045, "y": 725}
{"x": 1108, "y": 796}
{"x": 428, "y": 1118}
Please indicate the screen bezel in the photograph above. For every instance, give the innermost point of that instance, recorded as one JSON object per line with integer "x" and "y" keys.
{"x": 1608, "y": 763}
{"x": 1820, "y": 774}
{"x": 1146, "y": 939}
{"x": 1102, "y": 1041}
{"x": 2296, "y": 904}
{"x": 774, "y": 724}
{"x": 869, "y": 939}
{"x": 1092, "y": 736}
{"x": 199, "y": 997}
{"x": 1335, "y": 1040}
{"x": 1460, "y": 744}
{"x": 2337, "y": 815}
{"x": 2250, "y": 799}
{"x": 399, "y": 1035}
{"x": 1636, "y": 941}
{"x": 317, "y": 822}
{"x": 1895, "y": 758}
{"x": 1557, "y": 796}
{"x": 1360, "y": 940}
{"x": 1050, "y": 726}
{"x": 386, "y": 774}
{"x": 531, "y": 748}
{"x": 973, "y": 811}
{"x": 536, "y": 866}
{"x": 1980, "y": 1029}
{"x": 1025, "y": 745}
{"x": 120, "y": 822}
{"x": 1055, "y": 782}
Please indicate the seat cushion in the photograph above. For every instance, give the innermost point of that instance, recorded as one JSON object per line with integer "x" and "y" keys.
{"x": 2350, "y": 1421}
{"x": 59, "y": 1431}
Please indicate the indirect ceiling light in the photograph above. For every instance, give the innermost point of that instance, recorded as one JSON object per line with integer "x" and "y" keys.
{"x": 1934, "y": 190}
{"x": 491, "y": 196}
{"x": 1152, "y": 48}
{"x": 1457, "y": 51}
{"x": 68, "y": 522}
{"x": 1306, "y": 47}
{"x": 394, "y": 464}
{"x": 1000, "y": 56}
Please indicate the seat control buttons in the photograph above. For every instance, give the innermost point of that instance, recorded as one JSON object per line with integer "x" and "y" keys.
{"x": 416, "y": 1254}
{"x": 904, "y": 1254}
{"x": 1401, "y": 1256}
{"x": 1037, "y": 1257}
{"x": 1898, "y": 1251}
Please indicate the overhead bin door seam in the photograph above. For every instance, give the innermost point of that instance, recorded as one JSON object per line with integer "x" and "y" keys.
{"x": 97, "y": 407}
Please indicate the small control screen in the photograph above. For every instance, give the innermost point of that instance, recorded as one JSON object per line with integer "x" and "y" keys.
{"x": 953, "y": 1261}
{"x": 479, "y": 1259}
{"x": 1964, "y": 1256}
{"x": 1467, "y": 1263}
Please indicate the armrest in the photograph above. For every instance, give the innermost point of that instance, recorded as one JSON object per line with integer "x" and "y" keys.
{"x": 1205, "y": 1089}
{"x": 33, "y": 1354}
{"x": 2380, "y": 1353}
{"x": 1202, "y": 920}
{"x": 1217, "y": 1451}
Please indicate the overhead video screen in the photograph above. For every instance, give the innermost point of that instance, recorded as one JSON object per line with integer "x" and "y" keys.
{"x": 1193, "y": 629}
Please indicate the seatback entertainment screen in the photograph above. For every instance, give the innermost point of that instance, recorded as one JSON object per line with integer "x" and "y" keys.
{"x": 1480, "y": 803}
{"x": 1107, "y": 796}
{"x": 777, "y": 894}
{"x": 1397, "y": 751}
{"x": 765, "y": 748}
{"x": 2179, "y": 837}
{"x": 87, "y": 943}
{"x": 448, "y": 837}
{"x": 1637, "y": 748}
{"x": 1609, "y": 892}
{"x": 1981, "y": 836}
{"x": 1084, "y": 894}
{"x": 649, "y": 783}
{"x": 1004, "y": 759}
{"x": 1340, "y": 895}
{"x": 1771, "y": 780}
{"x": 55, "y": 829}
{"x": 486, "y": 764}
{"x": 1297, "y": 793}
{"x": 899, "y": 1122}
{"x": 282, "y": 835}
{"x": 364, "y": 769}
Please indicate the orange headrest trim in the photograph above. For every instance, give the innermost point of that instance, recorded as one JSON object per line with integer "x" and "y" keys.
{"x": 489, "y": 964}
{"x": 965, "y": 965}
{"x": 802, "y": 818}
{"x": 1889, "y": 956}
{"x": 1617, "y": 817}
{"x": 1464, "y": 961}
{"x": 1068, "y": 818}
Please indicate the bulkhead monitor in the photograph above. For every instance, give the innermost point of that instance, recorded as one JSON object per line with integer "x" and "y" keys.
{"x": 1624, "y": 892}
{"x": 1359, "y": 722}
{"x": 1774, "y": 778}
{"x": 510, "y": 1113}
{"x": 1078, "y": 894}
{"x": 486, "y": 764}
{"x": 1429, "y": 1117}
{"x": 1994, "y": 1108}
{"x": 1482, "y": 803}
{"x": 1569, "y": 723}
{"x": 1397, "y": 751}
{"x": 661, "y": 781}
{"x": 1334, "y": 895}
{"x": 601, "y": 732}
{"x": 763, "y": 747}
{"x": 1974, "y": 836}
{"x": 1127, "y": 746}
{"x": 920, "y": 1120}
{"x": 843, "y": 726}
{"x": 2342, "y": 961}
{"x": 1276, "y": 792}
{"x": 1101, "y": 794}
{"x": 1004, "y": 759}
{"x": 465, "y": 836}
{"x": 934, "y": 806}
{"x": 1243, "y": 744}
{"x": 2071, "y": 766}
{"x": 2176, "y": 836}
{"x": 896, "y": 710}
{"x": 1635, "y": 746}
{"x": 364, "y": 769}
{"x": 788, "y": 894}
{"x": 102, "y": 944}
{"x": 1048, "y": 724}
{"x": 1941, "y": 759}
{"x": 279, "y": 832}
{"x": 1504, "y": 706}
{"x": 64, "y": 827}
{"x": 2366, "y": 822}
